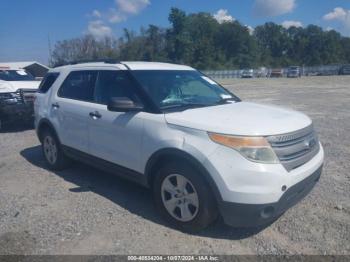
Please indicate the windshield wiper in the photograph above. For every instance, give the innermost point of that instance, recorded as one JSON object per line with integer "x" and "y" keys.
{"x": 184, "y": 105}
{"x": 225, "y": 100}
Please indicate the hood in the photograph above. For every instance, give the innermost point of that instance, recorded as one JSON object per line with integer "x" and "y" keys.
{"x": 13, "y": 86}
{"x": 243, "y": 118}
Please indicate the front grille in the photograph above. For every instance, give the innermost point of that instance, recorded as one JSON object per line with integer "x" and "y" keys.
{"x": 19, "y": 97}
{"x": 296, "y": 148}
{"x": 27, "y": 96}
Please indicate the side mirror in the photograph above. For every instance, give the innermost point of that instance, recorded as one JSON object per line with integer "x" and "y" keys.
{"x": 123, "y": 104}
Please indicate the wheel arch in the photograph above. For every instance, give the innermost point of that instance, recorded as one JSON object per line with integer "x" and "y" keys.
{"x": 45, "y": 124}
{"x": 165, "y": 155}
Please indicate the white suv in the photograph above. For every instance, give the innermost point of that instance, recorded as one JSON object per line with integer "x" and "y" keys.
{"x": 17, "y": 93}
{"x": 201, "y": 150}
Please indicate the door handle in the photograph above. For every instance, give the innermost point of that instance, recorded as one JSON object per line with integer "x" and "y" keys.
{"x": 55, "y": 105}
{"x": 95, "y": 115}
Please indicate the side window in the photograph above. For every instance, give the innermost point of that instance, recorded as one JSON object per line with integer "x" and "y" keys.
{"x": 114, "y": 84}
{"x": 79, "y": 85}
{"x": 47, "y": 82}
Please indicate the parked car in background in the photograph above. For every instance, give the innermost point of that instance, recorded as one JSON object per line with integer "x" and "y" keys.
{"x": 36, "y": 69}
{"x": 201, "y": 150}
{"x": 277, "y": 72}
{"x": 17, "y": 94}
{"x": 312, "y": 73}
{"x": 294, "y": 71}
{"x": 344, "y": 70}
{"x": 247, "y": 73}
{"x": 262, "y": 72}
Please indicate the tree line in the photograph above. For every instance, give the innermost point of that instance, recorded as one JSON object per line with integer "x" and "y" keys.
{"x": 200, "y": 41}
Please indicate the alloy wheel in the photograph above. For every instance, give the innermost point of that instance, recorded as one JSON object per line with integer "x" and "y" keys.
{"x": 180, "y": 197}
{"x": 50, "y": 149}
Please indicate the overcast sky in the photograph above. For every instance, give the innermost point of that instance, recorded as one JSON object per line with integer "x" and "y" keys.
{"x": 26, "y": 26}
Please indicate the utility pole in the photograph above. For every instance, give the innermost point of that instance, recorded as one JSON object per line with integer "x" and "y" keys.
{"x": 50, "y": 50}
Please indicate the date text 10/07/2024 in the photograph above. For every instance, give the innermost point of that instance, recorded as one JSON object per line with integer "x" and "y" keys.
{"x": 173, "y": 258}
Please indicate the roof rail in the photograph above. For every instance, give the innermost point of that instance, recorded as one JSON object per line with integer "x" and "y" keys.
{"x": 85, "y": 61}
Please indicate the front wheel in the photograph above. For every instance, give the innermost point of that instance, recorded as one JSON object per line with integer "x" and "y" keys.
{"x": 183, "y": 197}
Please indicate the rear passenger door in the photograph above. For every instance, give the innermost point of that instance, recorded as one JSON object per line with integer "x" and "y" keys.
{"x": 41, "y": 103}
{"x": 71, "y": 107}
{"x": 116, "y": 136}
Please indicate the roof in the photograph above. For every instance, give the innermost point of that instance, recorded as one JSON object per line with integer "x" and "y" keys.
{"x": 131, "y": 65}
{"x": 20, "y": 65}
{"x": 155, "y": 66}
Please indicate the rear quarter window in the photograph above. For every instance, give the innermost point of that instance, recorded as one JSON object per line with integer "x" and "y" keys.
{"x": 47, "y": 82}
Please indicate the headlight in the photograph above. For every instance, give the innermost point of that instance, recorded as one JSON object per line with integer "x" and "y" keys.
{"x": 5, "y": 96}
{"x": 255, "y": 149}
{"x": 9, "y": 98}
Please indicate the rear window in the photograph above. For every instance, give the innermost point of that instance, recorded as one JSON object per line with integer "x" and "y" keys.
{"x": 47, "y": 82}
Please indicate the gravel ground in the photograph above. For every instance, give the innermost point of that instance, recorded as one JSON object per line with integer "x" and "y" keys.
{"x": 85, "y": 211}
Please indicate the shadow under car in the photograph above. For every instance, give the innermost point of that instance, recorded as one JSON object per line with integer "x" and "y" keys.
{"x": 130, "y": 196}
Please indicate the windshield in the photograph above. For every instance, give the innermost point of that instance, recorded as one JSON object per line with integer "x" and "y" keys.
{"x": 175, "y": 88}
{"x": 15, "y": 75}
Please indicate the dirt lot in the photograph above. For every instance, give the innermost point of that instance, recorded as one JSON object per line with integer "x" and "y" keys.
{"x": 85, "y": 211}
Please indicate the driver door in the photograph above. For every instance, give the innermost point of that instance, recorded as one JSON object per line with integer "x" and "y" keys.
{"x": 115, "y": 136}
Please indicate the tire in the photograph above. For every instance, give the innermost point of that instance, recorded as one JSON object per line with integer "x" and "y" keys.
{"x": 52, "y": 151}
{"x": 197, "y": 202}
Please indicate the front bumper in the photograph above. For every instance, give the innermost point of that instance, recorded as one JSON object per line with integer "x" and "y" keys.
{"x": 17, "y": 111}
{"x": 17, "y": 105}
{"x": 250, "y": 215}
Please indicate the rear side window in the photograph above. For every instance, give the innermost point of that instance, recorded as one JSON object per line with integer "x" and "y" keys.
{"x": 79, "y": 85}
{"x": 47, "y": 82}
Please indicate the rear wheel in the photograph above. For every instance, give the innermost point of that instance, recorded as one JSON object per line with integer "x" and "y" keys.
{"x": 54, "y": 156}
{"x": 183, "y": 197}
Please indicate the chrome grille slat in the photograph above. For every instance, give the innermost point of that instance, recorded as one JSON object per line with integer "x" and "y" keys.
{"x": 290, "y": 149}
{"x": 296, "y": 148}
{"x": 292, "y": 142}
{"x": 290, "y": 136}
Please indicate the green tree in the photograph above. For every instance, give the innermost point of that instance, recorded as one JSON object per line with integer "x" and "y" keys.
{"x": 177, "y": 40}
{"x": 200, "y": 41}
{"x": 345, "y": 43}
{"x": 237, "y": 46}
{"x": 82, "y": 49}
{"x": 274, "y": 43}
